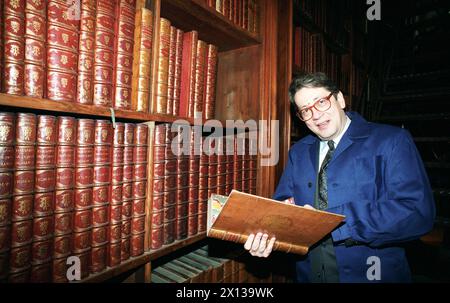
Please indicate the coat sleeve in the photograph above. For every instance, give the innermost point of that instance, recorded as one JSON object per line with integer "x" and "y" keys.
{"x": 285, "y": 186}
{"x": 405, "y": 212}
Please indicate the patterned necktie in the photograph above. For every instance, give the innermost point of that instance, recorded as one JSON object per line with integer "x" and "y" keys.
{"x": 323, "y": 189}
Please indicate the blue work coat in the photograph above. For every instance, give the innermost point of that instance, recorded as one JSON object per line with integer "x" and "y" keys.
{"x": 376, "y": 178}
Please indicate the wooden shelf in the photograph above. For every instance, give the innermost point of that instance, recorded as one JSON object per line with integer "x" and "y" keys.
{"x": 132, "y": 263}
{"x": 212, "y": 26}
{"x": 80, "y": 109}
{"x": 165, "y": 250}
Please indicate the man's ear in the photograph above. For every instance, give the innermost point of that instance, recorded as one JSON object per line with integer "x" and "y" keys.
{"x": 341, "y": 100}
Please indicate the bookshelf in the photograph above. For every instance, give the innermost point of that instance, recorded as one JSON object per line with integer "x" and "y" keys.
{"x": 323, "y": 37}
{"x": 244, "y": 90}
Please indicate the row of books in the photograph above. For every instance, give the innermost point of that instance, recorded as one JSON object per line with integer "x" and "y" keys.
{"x": 243, "y": 13}
{"x": 69, "y": 187}
{"x": 186, "y": 78}
{"x": 329, "y": 17}
{"x": 104, "y": 57}
{"x": 199, "y": 267}
{"x": 311, "y": 54}
{"x": 181, "y": 182}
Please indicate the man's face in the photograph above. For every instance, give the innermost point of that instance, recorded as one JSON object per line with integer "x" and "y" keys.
{"x": 328, "y": 124}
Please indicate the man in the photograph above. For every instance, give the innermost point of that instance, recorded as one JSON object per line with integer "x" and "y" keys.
{"x": 371, "y": 173}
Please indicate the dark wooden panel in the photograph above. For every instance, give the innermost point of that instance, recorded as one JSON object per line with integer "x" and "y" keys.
{"x": 237, "y": 95}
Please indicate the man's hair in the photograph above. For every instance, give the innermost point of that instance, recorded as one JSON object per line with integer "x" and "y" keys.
{"x": 311, "y": 80}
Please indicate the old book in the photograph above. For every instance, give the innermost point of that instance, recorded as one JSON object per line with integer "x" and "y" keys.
{"x": 189, "y": 56}
{"x": 143, "y": 38}
{"x": 296, "y": 228}
{"x": 123, "y": 52}
{"x": 85, "y": 81}
{"x": 159, "y": 106}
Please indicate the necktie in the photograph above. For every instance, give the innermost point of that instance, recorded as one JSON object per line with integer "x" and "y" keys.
{"x": 323, "y": 189}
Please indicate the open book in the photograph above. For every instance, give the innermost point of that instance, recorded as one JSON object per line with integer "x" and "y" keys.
{"x": 295, "y": 228}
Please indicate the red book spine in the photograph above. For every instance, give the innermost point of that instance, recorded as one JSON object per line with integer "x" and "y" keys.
{"x": 139, "y": 190}
{"x": 104, "y": 53}
{"x": 62, "y": 52}
{"x": 23, "y": 199}
{"x": 199, "y": 78}
{"x": 116, "y": 197}
{"x": 181, "y": 169}
{"x": 172, "y": 66}
{"x": 7, "y": 129}
{"x": 101, "y": 202}
{"x": 1, "y": 62}
{"x": 86, "y": 54}
{"x": 124, "y": 37}
{"x": 193, "y": 189}
{"x": 177, "y": 80}
{"x": 188, "y": 74}
{"x": 64, "y": 196}
{"x": 35, "y": 35}
{"x": 44, "y": 200}
{"x": 210, "y": 83}
{"x": 83, "y": 192}
{"x": 170, "y": 187}
{"x": 127, "y": 191}
{"x": 14, "y": 47}
{"x": 158, "y": 149}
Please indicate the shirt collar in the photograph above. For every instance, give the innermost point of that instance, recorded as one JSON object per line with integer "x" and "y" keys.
{"x": 339, "y": 137}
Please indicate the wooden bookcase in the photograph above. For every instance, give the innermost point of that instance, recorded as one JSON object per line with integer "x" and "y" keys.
{"x": 340, "y": 42}
{"x": 246, "y": 89}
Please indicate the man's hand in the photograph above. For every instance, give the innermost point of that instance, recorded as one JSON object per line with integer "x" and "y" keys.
{"x": 258, "y": 246}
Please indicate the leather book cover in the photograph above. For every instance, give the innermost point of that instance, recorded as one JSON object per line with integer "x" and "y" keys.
{"x": 86, "y": 55}
{"x": 296, "y": 228}
{"x": 62, "y": 53}
{"x": 143, "y": 38}
{"x": 172, "y": 65}
{"x": 124, "y": 35}
{"x": 188, "y": 73}
{"x": 14, "y": 47}
{"x": 210, "y": 82}
{"x": 199, "y": 78}
{"x": 177, "y": 80}
{"x": 159, "y": 105}
{"x": 35, "y": 29}
{"x": 104, "y": 53}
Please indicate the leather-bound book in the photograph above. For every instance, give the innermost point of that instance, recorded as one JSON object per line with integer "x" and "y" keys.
{"x": 159, "y": 104}
{"x": 62, "y": 52}
{"x": 14, "y": 47}
{"x": 124, "y": 43}
{"x": 177, "y": 79}
{"x": 85, "y": 80}
{"x": 210, "y": 82}
{"x": 188, "y": 74}
{"x": 104, "y": 53}
{"x": 296, "y": 228}
{"x": 1, "y": 63}
{"x": 142, "y": 53}
{"x": 172, "y": 66}
{"x": 199, "y": 78}
{"x": 35, "y": 54}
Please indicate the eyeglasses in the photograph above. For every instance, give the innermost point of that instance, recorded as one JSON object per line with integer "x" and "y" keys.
{"x": 320, "y": 105}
